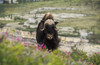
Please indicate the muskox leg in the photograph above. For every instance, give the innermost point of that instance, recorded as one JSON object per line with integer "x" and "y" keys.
{"x": 52, "y": 45}
{"x": 39, "y": 36}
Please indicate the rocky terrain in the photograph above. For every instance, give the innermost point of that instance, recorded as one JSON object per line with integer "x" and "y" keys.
{"x": 67, "y": 43}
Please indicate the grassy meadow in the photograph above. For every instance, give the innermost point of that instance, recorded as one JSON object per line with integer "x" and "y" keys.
{"x": 15, "y": 52}
{"x": 91, "y": 9}
{"x": 90, "y": 22}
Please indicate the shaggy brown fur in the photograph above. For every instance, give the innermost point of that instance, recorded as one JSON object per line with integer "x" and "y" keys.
{"x": 47, "y": 16}
{"x": 48, "y": 35}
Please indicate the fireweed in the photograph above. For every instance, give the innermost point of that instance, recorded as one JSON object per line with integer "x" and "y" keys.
{"x": 40, "y": 46}
{"x": 18, "y": 39}
{"x": 80, "y": 55}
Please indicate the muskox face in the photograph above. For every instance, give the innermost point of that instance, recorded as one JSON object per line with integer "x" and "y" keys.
{"x": 49, "y": 29}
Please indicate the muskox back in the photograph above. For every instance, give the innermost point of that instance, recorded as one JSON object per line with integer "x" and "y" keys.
{"x": 47, "y": 32}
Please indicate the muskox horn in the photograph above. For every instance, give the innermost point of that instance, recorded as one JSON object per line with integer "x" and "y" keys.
{"x": 47, "y": 16}
{"x": 56, "y": 29}
{"x": 49, "y": 22}
{"x": 42, "y": 29}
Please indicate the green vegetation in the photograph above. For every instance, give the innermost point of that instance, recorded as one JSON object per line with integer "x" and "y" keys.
{"x": 30, "y": 1}
{"x": 69, "y": 35}
{"x": 18, "y": 20}
{"x": 16, "y": 53}
{"x": 4, "y": 22}
{"x": 91, "y": 8}
{"x": 2, "y": 25}
{"x": 27, "y": 29}
{"x": 6, "y": 9}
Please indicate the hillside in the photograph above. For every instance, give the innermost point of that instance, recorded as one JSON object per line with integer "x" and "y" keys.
{"x": 78, "y": 28}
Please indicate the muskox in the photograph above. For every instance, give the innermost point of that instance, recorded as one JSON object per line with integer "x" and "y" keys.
{"x": 47, "y": 32}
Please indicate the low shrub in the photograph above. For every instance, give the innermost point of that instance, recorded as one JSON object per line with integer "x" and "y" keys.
{"x": 17, "y": 53}
{"x": 95, "y": 58}
{"x": 2, "y": 25}
{"x": 69, "y": 35}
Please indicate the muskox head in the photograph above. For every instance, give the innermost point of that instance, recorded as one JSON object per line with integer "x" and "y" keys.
{"x": 49, "y": 29}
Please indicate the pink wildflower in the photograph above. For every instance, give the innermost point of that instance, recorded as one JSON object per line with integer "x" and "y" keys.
{"x": 44, "y": 47}
{"x": 18, "y": 39}
{"x": 85, "y": 61}
{"x": 6, "y": 34}
{"x": 67, "y": 53}
{"x": 80, "y": 60}
{"x": 2, "y": 33}
{"x": 13, "y": 39}
{"x": 91, "y": 64}
{"x": 98, "y": 53}
{"x": 37, "y": 48}
{"x": 24, "y": 43}
{"x": 48, "y": 51}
